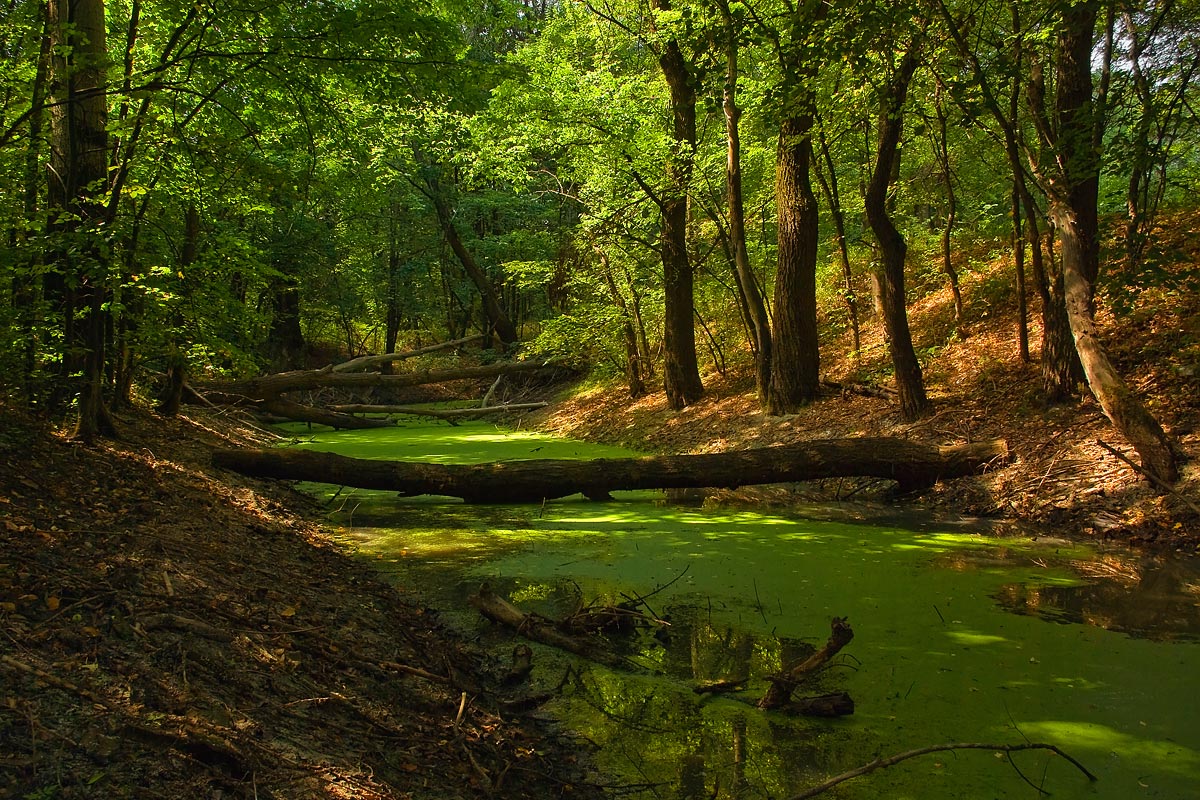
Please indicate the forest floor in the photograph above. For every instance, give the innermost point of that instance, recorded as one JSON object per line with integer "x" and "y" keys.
{"x": 170, "y": 631}
{"x": 1060, "y": 479}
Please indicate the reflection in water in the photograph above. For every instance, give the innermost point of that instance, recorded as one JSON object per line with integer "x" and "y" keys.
{"x": 939, "y": 655}
{"x": 1143, "y": 596}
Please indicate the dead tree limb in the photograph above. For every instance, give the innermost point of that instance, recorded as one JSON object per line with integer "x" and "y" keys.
{"x": 913, "y": 466}
{"x": 538, "y": 628}
{"x": 363, "y": 363}
{"x": 298, "y": 412}
{"x": 880, "y": 763}
{"x": 782, "y": 686}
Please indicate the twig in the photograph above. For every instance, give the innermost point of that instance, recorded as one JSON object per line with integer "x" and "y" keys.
{"x": 880, "y": 763}
{"x": 1153, "y": 478}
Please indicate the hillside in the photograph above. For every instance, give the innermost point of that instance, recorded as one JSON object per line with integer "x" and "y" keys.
{"x": 1059, "y": 478}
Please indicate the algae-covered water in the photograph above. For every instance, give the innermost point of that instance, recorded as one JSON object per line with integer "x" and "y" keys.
{"x": 959, "y": 637}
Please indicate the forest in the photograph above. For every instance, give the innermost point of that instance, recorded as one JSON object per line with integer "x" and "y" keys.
{"x": 647, "y": 190}
{"x": 945, "y": 252}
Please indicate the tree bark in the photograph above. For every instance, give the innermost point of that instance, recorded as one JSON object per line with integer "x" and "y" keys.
{"x": 497, "y": 318}
{"x": 913, "y": 466}
{"x": 795, "y": 367}
{"x": 1073, "y": 207}
{"x": 755, "y": 307}
{"x": 681, "y": 371}
{"x": 892, "y": 247}
{"x": 77, "y": 191}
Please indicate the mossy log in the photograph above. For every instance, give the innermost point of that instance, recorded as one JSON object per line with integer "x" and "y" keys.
{"x": 913, "y": 466}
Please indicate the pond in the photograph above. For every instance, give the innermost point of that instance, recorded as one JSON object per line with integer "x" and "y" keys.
{"x": 959, "y": 636}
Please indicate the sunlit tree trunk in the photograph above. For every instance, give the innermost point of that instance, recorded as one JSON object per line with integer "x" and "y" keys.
{"x": 829, "y": 187}
{"x": 751, "y": 296}
{"x": 1073, "y": 191}
{"x": 681, "y": 371}
{"x": 893, "y": 249}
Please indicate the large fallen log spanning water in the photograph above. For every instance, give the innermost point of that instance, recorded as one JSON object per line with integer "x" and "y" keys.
{"x": 913, "y": 466}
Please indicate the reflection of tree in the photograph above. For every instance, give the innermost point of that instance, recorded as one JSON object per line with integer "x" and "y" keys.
{"x": 1151, "y": 600}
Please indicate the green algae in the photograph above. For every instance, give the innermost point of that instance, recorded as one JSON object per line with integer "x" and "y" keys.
{"x": 959, "y": 637}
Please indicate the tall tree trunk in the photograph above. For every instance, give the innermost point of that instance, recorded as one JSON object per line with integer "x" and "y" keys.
{"x": 890, "y": 278}
{"x": 795, "y": 368}
{"x": 943, "y": 157}
{"x": 1073, "y": 207}
{"x": 829, "y": 187}
{"x": 1018, "y": 189}
{"x": 172, "y": 397}
{"x": 77, "y": 194}
{"x": 681, "y": 371}
{"x": 26, "y": 292}
{"x": 391, "y": 332}
{"x": 755, "y": 307}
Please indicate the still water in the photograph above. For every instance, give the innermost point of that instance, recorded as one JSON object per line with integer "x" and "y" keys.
{"x": 959, "y": 637}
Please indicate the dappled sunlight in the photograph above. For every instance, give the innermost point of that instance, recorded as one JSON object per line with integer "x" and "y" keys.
{"x": 1155, "y": 755}
{"x": 952, "y": 640}
{"x": 973, "y": 638}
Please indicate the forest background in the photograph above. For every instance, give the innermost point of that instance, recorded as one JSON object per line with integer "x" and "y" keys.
{"x": 657, "y": 190}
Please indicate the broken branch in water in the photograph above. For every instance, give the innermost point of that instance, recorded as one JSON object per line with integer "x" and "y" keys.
{"x": 782, "y": 686}
{"x": 880, "y": 763}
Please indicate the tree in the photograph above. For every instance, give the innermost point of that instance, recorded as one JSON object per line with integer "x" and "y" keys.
{"x": 78, "y": 200}
{"x": 1071, "y": 182}
{"x": 681, "y": 371}
{"x": 889, "y": 279}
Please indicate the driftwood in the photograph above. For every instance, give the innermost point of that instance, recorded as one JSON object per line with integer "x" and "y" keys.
{"x": 538, "y": 628}
{"x": 451, "y": 415}
{"x": 913, "y": 466}
{"x": 780, "y": 691}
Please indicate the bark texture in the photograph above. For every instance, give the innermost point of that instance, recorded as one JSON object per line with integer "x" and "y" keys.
{"x": 913, "y": 466}
{"x": 892, "y": 248}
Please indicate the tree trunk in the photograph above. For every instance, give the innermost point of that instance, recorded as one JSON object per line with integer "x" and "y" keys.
{"x": 943, "y": 157}
{"x": 633, "y": 361}
{"x": 892, "y": 247}
{"x": 756, "y": 309}
{"x": 913, "y": 466}
{"x": 829, "y": 187}
{"x": 681, "y": 371}
{"x": 1073, "y": 207}
{"x": 497, "y": 318}
{"x": 79, "y": 173}
{"x": 795, "y": 367}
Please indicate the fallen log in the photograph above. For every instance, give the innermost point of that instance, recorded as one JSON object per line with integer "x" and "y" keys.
{"x": 269, "y": 387}
{"x": 538, "y": 628}
{"x": 779, "y": 693}
{"x": 913, "y": 466}
{"x": 363, "y": 363}
{"x": 451, "y": 415}
{"x": 297, "y": 412}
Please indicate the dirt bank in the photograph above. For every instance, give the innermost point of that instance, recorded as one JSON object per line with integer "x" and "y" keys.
{"x": 173, "y": 632}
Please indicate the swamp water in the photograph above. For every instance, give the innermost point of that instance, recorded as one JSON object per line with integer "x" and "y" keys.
{"x": 959, "y": 637}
